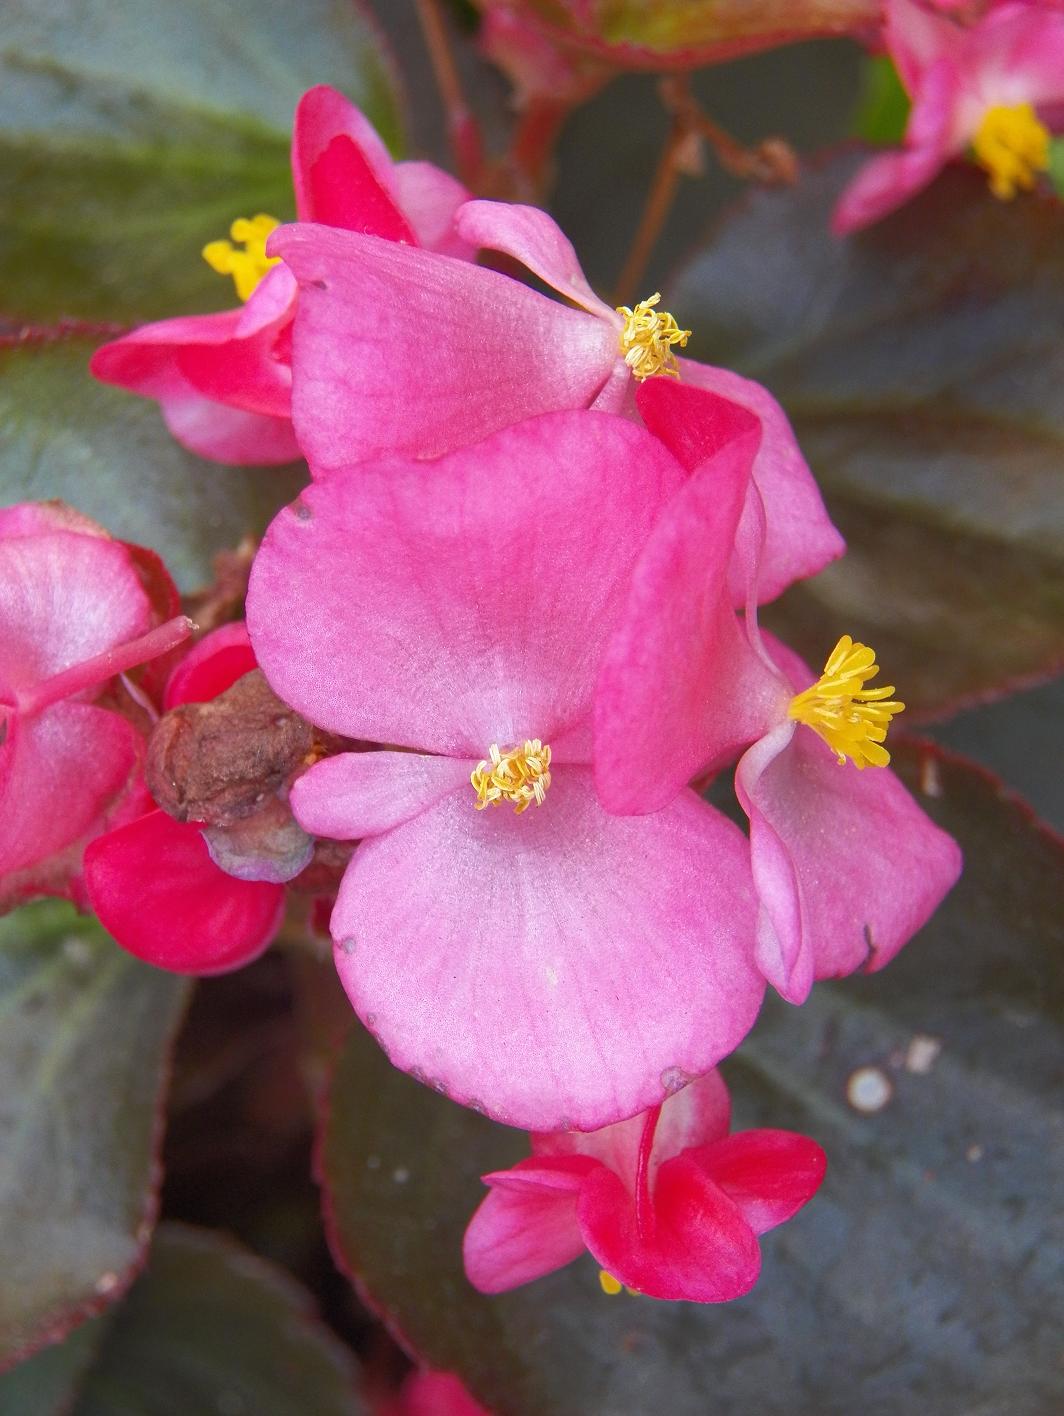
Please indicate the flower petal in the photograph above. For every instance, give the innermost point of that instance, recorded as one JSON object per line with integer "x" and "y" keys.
{"x": 453, "y": 605}
{"x": 408, "y": 351}
{"x": 157, "y": 891}
{"x": 769, "y": 1174}
{"x": 559, "y": 968}
{"x": 517, "y": 1235}
{"x": 358, "y": 794}
{"x": 211, "y": 666}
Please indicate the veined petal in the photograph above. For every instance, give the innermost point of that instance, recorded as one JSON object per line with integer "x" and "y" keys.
{"x": 769, "y": 1174}
{"x": 358, "y": 794}
{"x": 518, "y": 1234}
{"x": 450, "y": 606}
{"x": 569, "y": 968}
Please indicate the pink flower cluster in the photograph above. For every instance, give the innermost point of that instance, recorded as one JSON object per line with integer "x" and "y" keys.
{"x": 528, "y": 570}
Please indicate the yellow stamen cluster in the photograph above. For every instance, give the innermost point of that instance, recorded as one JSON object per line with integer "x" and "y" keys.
{"x": 521, "y": 776}
{"x": 612, "y": 1286}
{"x": 851, "y": 718}
{"x": 1013, "y": 146}
{"x": 648, "y": 337}
{"x": 247, "y": 267}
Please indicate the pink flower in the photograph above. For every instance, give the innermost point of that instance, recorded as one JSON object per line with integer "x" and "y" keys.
{"x": 74, "y": 614}
{"x": 549, "y": 964}
{"x": 996, "y": 85}
{"x": 668, "y": 1203}
{"x": 224, "y": 381}
{"x": 401, "y": 350}
{"x": 426, "y": 1393}
{"x": 846, "y": 865}
{"x": 152, "y": 882}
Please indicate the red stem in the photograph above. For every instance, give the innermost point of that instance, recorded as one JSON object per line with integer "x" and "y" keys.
{"x": 644, "y": 1208}
{"x": 104, "y": 666}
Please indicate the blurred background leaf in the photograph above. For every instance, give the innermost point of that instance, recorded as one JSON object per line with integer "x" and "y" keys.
{"x": 84, "y": 1046}
{"x": 131, "y": 133}
{"x": 884, "y": 109}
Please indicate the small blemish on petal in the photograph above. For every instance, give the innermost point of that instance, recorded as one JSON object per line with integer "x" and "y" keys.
{"x": 674, "y": 1079}
{"x": 347, "y": 946}
{"x": 301, "y": 511}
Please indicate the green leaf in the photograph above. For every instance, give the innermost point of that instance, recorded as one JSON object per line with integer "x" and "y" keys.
{"x": 884, "y": 110}
{"x": 48, "y": 1383}
{"x": 921, "y": 363}
{"x": 1056, "y": 165}
{"x": 131, "y": 133}
{"x": 924, "y": 1276}
{"x": 85, "y": 1035}
{"x": 62, "y": 434}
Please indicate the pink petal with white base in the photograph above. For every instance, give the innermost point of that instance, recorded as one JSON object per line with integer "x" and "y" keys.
{"x": 405, "y": 350}
{"x": 520, "y": 1234}
{"x": 847, "y": 866}
{"x": 224, "y": 434}
{"x": 450, "y": 606}
{"x": 358, "y": 794}
{"x": 770, "y": 1175}
{"x": 570, "y": 967}
{"x": 430, "y": 198}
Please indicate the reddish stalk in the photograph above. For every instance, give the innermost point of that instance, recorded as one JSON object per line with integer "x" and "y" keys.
{"x": 104, "y": 666}
{"x": 644, "y": 1207}
{"x": 462, "y": 126}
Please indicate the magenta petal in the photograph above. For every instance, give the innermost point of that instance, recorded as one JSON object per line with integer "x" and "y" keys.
{"x": 769, "y": 1174}
{"x": 517, "y": 1235}
{"x": 544, "y": 1175}
{"x": 847, "y": 867}
{"x": 408, "y": 351}
{"x": 60, "y": 774}
{"x": 211, "y": 666}
{"x": 697, "y": 1245}
{"x": 570, "y": 968}
{"x": 157, "y": 891}
{"x": 323, "y": 114}
{"x": 360, "y": 794}
{"x": 449, "y": 606}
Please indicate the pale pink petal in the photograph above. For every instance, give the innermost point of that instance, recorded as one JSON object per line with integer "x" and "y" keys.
{"x": 543, "y": 1175}
{"x": 33, "y": 518}
{"x": 60, "y": 773}
{"x": 430, "y": 198}
{"x": 847, "y": 866}
{"x": 571, "y": 968}
{"x": 536, "y": 240}
{"x": 408, "y": 351}
{"x": 450, "y": 606}
{"x": 228, "y": 435}
{"x": 358, "y": 794}
{"x": 917, "y": 38}
{"x": 798, "y": 539}
{"x": 1016, "y": 55}
{"x": 770, "y": 1175}
{"x": 517, "y": 1235}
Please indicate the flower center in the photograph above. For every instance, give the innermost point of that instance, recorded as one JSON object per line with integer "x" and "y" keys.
{"x": 648, "y": 337}
{"x": 247, "y": 267}
{"x": 851, "y": 718}
{"x": 1013, "y": 146}
{"x": 521, "y": 776}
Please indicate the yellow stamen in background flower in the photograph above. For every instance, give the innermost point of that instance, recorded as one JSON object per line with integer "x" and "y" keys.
{"x": 851, "y": 718}
{"x": 609, "y": 1284}
{"x": 247, "y": 267}
{"x": 521, "y": 776}
{"x": 648, "y": 337}
{"x": 1013, "y": 146}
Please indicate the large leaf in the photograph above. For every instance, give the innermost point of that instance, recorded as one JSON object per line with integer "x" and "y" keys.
{"x": 924, "y": 1276}
{"x": 85, "y": 1034}
{"x": 131, "y": 133}
{"x": 922, "y": 365}
{"x": 62, "y": 434}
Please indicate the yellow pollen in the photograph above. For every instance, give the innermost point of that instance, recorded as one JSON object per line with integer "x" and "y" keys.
{"x": 247, "y": 267}
{"x": 612, "y": 1286}
{"x": 852, "y": 719}
{"x": 521, "y": 776}
{"x": 648, "y": 337}
{"x": 1013, "y": 146}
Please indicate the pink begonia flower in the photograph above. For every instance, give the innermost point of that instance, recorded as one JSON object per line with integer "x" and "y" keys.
{"x": 846, "y": 865}
{"x": 74, "y": 614}
{"x": 996, "y": 86}
{"x": 551, "y": 965}
{"x": 668, "y": 1203}
{"x": 224, "y": 381}
{"x": 152, "y": 882}
{"x": 453, "y": 352}
{"x": 427, "y": 1393}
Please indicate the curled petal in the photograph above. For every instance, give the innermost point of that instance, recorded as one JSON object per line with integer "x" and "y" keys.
{"x": 770, "y": 1175}
{"x": 521, "y": 1233}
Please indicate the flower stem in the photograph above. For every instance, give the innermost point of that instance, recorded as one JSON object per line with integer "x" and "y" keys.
{"x": 104, "y": 666}
{"x": 461, "y": 124}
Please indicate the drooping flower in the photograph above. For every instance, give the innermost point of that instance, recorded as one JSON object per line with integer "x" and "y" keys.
{"x": 224, "y": 380}
{"x": 846, "y": 866}
{"x": 452, "y": 352}
{"x": 152, "y": 881}
{"x": 668, "y": 1203}
{"x": 995, "y": 86}
{"x": 547, "y": 965}
{"x": 75, "y": 614}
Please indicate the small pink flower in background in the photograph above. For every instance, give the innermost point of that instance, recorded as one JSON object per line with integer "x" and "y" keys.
{"x": 152, "y": 882}
{"x": 403, "y": 350}
{"x": 427, "y": 1393}
{"x": 846, "y": 865}
{"x": 552, "y": 965}
{"x": 668, "y": 1203}
{"x": 224, "y": 381}
{"x": 996, "y": 86}
{"x": 74, "y": 614}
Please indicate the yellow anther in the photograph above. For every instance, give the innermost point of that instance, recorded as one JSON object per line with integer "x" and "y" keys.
{"x": 1013, "y": 145}
{"x": 609, "y": 1284}
{"x": 247, "y": 267}
{"x": 521, "y": 776}
{"x": 648, "y": 337}
{"x": 852, "y": 719}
